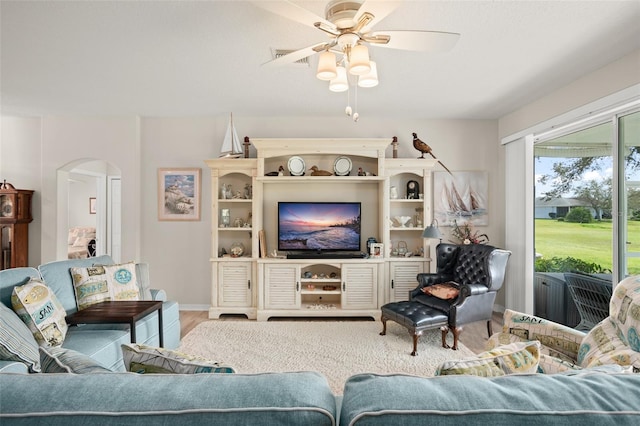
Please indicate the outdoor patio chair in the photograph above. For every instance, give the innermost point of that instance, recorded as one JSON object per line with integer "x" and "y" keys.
{"x": 591, "y": 295}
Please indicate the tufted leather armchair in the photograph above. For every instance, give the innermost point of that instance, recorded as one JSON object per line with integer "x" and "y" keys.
{"x": 479, "y": 269}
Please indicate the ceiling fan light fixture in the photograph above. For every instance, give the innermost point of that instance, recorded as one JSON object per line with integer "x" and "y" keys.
{"x": 340, "y": 83}
{"x": 369, "y": 79}
{"x": 359, "y": 60}
{"x": 327, "y": 66}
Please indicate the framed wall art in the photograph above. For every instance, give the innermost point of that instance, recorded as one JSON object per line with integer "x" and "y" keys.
{"x": 179, "y": 194}
{"x": 460, "y": 198}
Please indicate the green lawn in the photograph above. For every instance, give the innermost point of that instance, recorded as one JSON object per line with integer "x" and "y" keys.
{"x": 591, "y": 242}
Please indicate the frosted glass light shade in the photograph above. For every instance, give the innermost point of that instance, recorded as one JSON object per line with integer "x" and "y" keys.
{"x": 326, "y": 66}
{"x": 359, "y": 60}
{"x": 369, "y": 79}
{"x": 340, "y": 83}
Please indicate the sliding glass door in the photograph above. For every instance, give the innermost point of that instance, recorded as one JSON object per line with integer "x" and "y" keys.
{"x": 587, "y": 209}
{"x": 573, "y": 205}
{"x": 629, "y": 178}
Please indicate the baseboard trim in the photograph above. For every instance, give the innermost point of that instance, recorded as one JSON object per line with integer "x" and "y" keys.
{"x": 194, "y": 307}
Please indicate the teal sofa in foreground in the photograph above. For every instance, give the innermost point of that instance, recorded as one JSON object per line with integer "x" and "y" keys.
{"x": 598, "y": 395}
{"x": 305, "y": 398}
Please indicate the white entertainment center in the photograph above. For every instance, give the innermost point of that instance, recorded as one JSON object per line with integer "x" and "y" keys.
{"x": 246, "y": 277}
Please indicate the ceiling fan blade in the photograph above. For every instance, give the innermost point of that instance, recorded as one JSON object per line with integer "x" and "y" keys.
{"x": 296, "y": 55}
{"x": 293, "y": 11}
{"x": 379, "y": 10}
{"x": 420, "y": 41}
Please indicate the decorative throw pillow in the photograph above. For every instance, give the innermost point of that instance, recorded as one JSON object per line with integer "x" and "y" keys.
{"x": 16, "y": 340}
{"x": 446, "y": 291}
{"x": 554, "y": 365}
{"x": 470, "y": 367}
{"x": 100, "y": 283}
{"x": 63, "y": 360}
{"x": 514, "y": 358}
{"x": 604, "y": 345}
{"x": 146, "y": 359}
{"x": 557, "y": 340}
{"x": 144, "y": 283}
{"x": 39, "y": 308}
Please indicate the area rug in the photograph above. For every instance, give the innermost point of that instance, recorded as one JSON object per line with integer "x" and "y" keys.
{"x": 337, "y": 349}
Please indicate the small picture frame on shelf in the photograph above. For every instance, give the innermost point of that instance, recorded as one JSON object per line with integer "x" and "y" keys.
{"x": 376, "y": 250}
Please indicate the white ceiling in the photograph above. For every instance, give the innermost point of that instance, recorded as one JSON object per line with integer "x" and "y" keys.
{"x": 185, "y": 58}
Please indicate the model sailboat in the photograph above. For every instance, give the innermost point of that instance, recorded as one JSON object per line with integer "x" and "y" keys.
{"x": 231, "y": 147}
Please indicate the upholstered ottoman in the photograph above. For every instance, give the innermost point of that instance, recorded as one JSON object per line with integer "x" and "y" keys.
{"x": 417, "y": 318}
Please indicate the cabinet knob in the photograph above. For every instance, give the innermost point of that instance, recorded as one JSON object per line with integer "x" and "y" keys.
{"x": 297, "y": 286}
{"x": 344, "y": 286}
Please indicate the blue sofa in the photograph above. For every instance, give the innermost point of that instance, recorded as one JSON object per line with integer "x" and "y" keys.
{"x": 587, "y": 398}
{"x": 99, "y": 341}
{"x": 596, "y": 396}
{"x": 305, "y": 398}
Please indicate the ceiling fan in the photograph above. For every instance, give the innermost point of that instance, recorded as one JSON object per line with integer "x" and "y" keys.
{"x": 348, "y": 23}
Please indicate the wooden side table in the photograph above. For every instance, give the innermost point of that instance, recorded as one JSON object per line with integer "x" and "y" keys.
{"x": 120, "y": 312}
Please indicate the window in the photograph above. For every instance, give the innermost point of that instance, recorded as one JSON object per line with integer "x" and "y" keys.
{"x": 587, "y": 203}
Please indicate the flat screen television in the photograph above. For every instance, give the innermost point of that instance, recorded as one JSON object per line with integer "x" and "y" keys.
{"x": 319, "y": 226}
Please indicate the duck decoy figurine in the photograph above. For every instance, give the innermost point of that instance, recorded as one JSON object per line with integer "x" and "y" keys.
{"x": 317, "y": 172}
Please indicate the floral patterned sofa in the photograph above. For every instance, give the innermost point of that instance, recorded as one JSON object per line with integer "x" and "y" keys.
{"x": 615, "y": 340}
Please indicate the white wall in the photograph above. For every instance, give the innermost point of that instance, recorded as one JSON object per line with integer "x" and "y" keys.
{"x": 20, "y": 161}
{"x": 179, "y": 252}
{"x": 610, "y": 79}
{"x": 81, "y": 188}
{"x": 68, "y": 141}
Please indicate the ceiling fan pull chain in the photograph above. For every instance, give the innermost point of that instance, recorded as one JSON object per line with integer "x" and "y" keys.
{"x": 348, "y": 110}
{"x": 356, "y": 115}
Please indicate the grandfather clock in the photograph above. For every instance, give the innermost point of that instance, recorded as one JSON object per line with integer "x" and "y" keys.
{"x": 15, "y": 215}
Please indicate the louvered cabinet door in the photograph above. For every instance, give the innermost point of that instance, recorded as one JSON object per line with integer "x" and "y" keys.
{"x": 359, "y": 286}
{"x": 282, "y": 286}
{"x": 402, "y": 279}
{"x": 234, "y": 284}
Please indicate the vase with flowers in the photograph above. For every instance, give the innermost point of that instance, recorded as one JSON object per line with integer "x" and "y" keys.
{"x": 465, "y": 234}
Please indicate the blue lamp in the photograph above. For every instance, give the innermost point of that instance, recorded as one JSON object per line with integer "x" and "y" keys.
{"x": 432, "y": 231}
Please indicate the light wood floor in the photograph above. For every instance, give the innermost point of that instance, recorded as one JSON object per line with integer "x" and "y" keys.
{"x": 473, "y": 336}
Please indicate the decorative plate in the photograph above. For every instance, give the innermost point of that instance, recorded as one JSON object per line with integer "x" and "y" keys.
{"x": 296, "y": 166}
{"x": 342, "y": 166}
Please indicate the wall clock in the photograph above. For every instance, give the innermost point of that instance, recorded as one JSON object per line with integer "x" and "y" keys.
{"x": 413, "y": 190}
{"x": 6, "y": 206}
